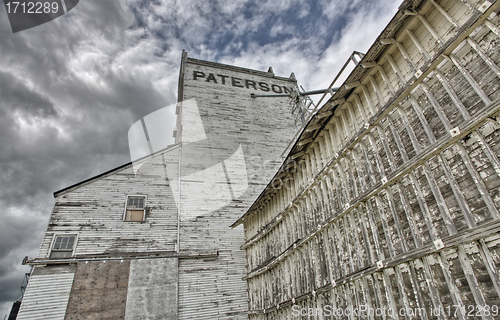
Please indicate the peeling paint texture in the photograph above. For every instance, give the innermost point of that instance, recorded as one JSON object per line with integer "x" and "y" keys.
{"x": 390, "y": 197}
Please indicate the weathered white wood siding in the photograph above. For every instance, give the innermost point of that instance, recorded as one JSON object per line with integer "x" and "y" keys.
{"x": 94, "y": 211}
{"x": 234, "y": 123}
{"x": 393, "y": 200}
{"x": 47, "y": 294}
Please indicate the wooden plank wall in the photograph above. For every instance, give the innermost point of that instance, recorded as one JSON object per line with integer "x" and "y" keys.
{"x": 94, "y": 212}
{"x": 396, "y": 203}
{"x": 232, "y": 121}
{"x": 48, "y": 293}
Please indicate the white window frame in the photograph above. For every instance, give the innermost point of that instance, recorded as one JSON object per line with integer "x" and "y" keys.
{"x": 54, "y": 236}
{"x": 143, "y": 209}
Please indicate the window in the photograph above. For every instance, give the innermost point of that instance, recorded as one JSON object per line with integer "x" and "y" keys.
{"x": 135, "y": 208}
{"x": 63, "y": 246}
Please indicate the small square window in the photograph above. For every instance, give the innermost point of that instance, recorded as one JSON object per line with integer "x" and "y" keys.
{"x": 135, "y": 208}
{"x": 63, "y": 246}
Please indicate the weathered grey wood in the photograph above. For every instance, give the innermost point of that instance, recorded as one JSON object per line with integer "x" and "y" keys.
{"x": 414, "y": 284}
{"x": 368, "y": 99}
{"x": 418, "y": 45}
{"x": 402, "y": 291}
{"x": 451, "y": 282}
{"x": 386, "y": 79}
{"x": 397, "y": 221}
{"x": 430, "y": 28}
{"x": 492, "y": 27}
{"x": 484, "y": 56}
{"x": 373, "y": 226}
{"x": 380, "y": 165}
{"x": 444, "y": 13}
{"x": 464, "y": 207}
{"x": 409, "y": 129}
{"x": 377, "y": 90}
{"x": 383, "y": 138}
{"x": 394, "y": 67}
{"x": 389, "y": 293}
{"x": 471, "y": 279}
{"x": 445, "y": 213}
{"x": 470, "y": 79}
{"x": 458, "y": 103}
{"x": 427, "y": 128}
{"x": 423, "y": 207}
{"x": 495, "y": 162}
{"x": 371, "y": 174}
{"x": 477, "y": 180}
{"x": 436, "y": 106}
{"x": 406, "y": 56}
{"x": 490, "y": 265}
{"x": 397, "y": 138}
{"x": 417, "y": 237}
{"x": 353, "y": 199}
{"x": 431, "y": 285}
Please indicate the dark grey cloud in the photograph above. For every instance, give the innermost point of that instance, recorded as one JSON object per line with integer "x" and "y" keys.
{"x": 71, "y": 88}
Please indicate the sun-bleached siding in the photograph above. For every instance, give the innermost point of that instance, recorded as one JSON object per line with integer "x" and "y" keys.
{"x": 47, "y": 295}
{"x": 244, "y": 138}
{"x": 94, "y": 212}
{"x": 393, "y": 200}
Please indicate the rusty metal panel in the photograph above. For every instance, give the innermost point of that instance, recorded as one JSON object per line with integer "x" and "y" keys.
{"x": 99, "y": 290}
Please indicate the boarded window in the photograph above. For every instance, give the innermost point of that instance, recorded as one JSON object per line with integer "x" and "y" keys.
{"x": 135, "y": 208}
{"x": 63, "y": 246}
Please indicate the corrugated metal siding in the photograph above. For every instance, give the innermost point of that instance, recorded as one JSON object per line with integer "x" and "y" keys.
{"x": 46, "y": 297}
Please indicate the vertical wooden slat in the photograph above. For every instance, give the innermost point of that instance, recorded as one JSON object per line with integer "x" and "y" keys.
{"x": 368, "y": 99}
{"x": 406, "y": 57}
{"x": 418, "y": 44}
{"x": 383, "y": 139}
{"x": 389, "y": 293}
{"x": 383, "y": 218}
{"x": 445, "y": 213}
{"x": 444, "y": 13}
{"x": 493, "y": 28}
{"x": 477, "y": 180}
{"x": 488, "y": 151}
{"x": 470, "y": 79}
{"x": 397, "y": 222}
{"x": 423, "y": 207}
{"x": 429, "y": 28}
{"x": 417, "y": 237}
{"x": 378, "y": 160}
{"x": 421, "y": 118}
{"x": 431, "y": 285}
{"x": 371, "y": 174}
{"x": 452, "y": 94}
{"x": 484, "y": 56}
{"x": 373, "y": 226}
{"x": 471, "y": 279}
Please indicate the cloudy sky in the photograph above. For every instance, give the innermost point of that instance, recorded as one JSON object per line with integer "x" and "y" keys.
{"x": 71, "y": 88}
